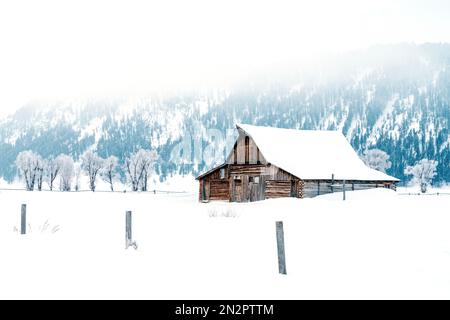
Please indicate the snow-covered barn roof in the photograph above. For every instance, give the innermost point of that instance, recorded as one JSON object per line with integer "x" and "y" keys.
{"x": 312, "y": 154}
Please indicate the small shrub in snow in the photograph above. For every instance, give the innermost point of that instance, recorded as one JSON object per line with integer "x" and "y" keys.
{"x": 46, "y": 227}
{"x": 227, "y": 213}
{"x": 212, "y": 213}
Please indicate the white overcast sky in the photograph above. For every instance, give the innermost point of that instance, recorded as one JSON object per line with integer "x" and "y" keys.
{"x": 56, "y": 49}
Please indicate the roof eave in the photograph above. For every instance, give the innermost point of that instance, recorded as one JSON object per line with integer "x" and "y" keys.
{"x": 211, "y": 170}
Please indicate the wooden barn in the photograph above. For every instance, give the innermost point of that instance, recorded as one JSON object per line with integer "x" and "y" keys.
{"x": 268, "y": 162}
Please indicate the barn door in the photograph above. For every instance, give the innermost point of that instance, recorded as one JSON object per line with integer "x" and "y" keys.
{"x": 256, "y": 188}
{"x": 237, "y": 190}
{"x": 251, "y": 189}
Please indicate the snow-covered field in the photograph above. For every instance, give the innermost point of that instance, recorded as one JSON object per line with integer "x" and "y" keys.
{"x": 377, "y": 244}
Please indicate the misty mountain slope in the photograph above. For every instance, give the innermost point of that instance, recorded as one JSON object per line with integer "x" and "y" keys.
{"x": 395, "y": 98}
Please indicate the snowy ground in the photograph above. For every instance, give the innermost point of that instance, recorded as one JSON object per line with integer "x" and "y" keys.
{"x": 377, "y": 244}
{"x": 176, "y": 183}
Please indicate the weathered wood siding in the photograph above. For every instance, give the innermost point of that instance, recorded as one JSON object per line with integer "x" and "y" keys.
{"x": 216, "y": 188}
{"x": 257, "y": 191}
{"x": 255, "y": 155}
{"x": 276, "y": 173}
{"x": 200, "y": 190}
{"x": 266, "y": 187}
{"x": 219, "y": 190}
{"x": 278, "y": 189}
{"x": 203, "y": 190}
{"x": 247, "y": 170}
{"x": 215, "y": 175}
{"x": 270, "y": 171}
{"x": 253, "y": 182}
{"x": 313, "y": 188}
{"x": 236, "y": 190}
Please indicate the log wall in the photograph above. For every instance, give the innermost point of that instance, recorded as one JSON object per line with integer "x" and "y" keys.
{"x": 219, "y": 190}
{"x": 237, "y": 184}
{"x": 278, "y": 189}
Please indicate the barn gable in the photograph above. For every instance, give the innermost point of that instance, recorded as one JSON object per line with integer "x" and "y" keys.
{"x": 245, "y": 151}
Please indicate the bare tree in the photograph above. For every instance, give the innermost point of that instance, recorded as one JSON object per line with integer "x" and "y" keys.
{"x": 53, "y": 167}
{"x": 133, "y": 172}
{"x": 66, "y": 172}
{"x": 31, "y": 167}
{"x": 423, "y": 173}
{"x": 138, "y": 167}
{"x": 91, "y": 163}
{"x": 108, "y": 172}
{"x": 147, "y": 165}
{"x": 376, "y": 159}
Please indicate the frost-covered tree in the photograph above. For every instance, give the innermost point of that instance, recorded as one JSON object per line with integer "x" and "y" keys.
{"x": 91, "y": 164}
{"x": 77, "y": 175}
{"x": 40, "y": 172}
{"x": 138, "y": 167}
{"x": 148, "y": 161}
{"x": 422, "y": 173}
{"x": 108, "y": 172}
{"x": 133, "y": 171}
{"x": 376, "y": 159}
{"x": 66, "y": 172}
{"x": 31, "y": 168}
{"x": 53, "y": 166}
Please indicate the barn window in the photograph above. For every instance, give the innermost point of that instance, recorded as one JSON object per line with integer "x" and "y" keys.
{"x": 235, "y": 153}
{"x": 247, "y": 151}
{"x": 253, "y": 179}
{"x": 222, "y": 173}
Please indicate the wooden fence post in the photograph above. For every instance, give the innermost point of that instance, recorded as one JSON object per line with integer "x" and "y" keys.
{"x": 343, "y": 188}
{"x": 23, "y": 219}
{"x": 128, "y": 235}
{"x": 332, "y": 183}
{"x": 127, "y": 229}
{"x": 280, "y": 247}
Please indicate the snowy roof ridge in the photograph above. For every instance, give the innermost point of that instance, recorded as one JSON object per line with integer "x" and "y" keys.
{"x": 312, "y": 154}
